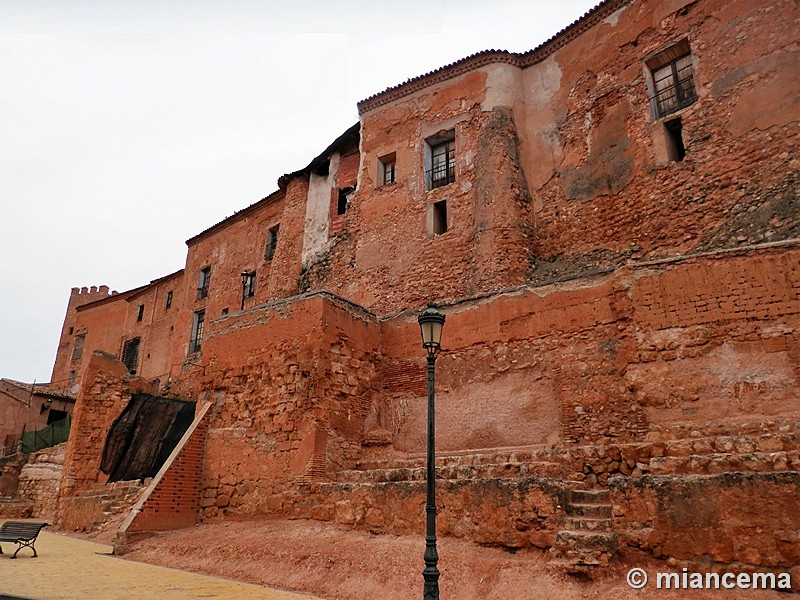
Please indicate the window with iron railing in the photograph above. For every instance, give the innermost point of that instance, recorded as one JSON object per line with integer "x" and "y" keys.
{"x": 674, "y": 86}
{"x": 670, "y": 79}
{"x": 443, "y": 164}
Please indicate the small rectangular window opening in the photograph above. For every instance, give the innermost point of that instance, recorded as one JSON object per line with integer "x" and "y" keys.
{"x": 387, "y": 169}
{"x": 272, "y": 242}
{"x": 197, "y": 331}
{"x": 168, "y": 301}
{"x": 77, "y": 349}
{"x": 676, "y": 150}
{"x": 249, "y": 284}
{"x": 224, "y": 311}
{"x": 71, "y": 378}
{"x": 341, "y": 205}
{"x": 71, "y": 329}
{"x": 130, "y": 354}
{"x": 440, "y": 217}
{"x": 140, "y": 314}
{"x": 202, "y": 283}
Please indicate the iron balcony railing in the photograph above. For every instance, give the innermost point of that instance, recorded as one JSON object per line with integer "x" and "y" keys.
{"x": 441, "y": 175}
{"x": 673, "y": 98}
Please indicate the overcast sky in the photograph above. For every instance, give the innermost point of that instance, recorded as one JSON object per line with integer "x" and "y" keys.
{"x": 126, "y": 127}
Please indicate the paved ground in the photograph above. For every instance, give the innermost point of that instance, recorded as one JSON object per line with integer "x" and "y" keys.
{"x": 70, "y": 569}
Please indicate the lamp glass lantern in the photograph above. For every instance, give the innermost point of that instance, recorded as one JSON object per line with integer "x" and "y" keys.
{"x": 431, "y": 323}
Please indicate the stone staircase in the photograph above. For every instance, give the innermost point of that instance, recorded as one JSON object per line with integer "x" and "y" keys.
{"x": 501, "y": 463}
{"x": 588, "y": 539}
{"x": 554, "y": 499}
{"x": 99, "y": 508}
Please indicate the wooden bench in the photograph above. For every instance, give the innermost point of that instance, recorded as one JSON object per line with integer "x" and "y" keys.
{"x": 23, "y": 533}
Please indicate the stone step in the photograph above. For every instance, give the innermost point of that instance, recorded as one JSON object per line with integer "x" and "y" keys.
{"x": 585, "y": 541}
{"x": 588, "y": 524}
{"x": 525, "y": 454}
{"x": 592, "y": 511}
{"x": 547, "y": 470}
{"x": 589, "y": 496}
{"x": 713, "y": 463}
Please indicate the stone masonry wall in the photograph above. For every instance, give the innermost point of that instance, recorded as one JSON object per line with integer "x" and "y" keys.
{"x": 712, "y": 520}
{"x": 291, "y": 384}
{"x": 40, "y": 480}
{"x": 595, "y": 155}
{"x": 104, "y": 392}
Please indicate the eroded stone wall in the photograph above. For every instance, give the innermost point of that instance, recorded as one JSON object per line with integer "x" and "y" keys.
{"x": 40, "y": 480}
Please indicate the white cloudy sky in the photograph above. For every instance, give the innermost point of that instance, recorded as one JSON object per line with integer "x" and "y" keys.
{"x": 126, "y": 127}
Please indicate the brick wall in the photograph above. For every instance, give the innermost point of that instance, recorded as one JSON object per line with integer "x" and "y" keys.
{"x": 172, "y": 500}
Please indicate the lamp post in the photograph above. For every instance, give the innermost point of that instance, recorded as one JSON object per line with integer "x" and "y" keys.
{"x": 431, "y": 323}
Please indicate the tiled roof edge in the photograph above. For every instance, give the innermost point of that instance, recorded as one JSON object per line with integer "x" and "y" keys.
{"x": 234, "y": 217}
{"x": 480, "y": 59}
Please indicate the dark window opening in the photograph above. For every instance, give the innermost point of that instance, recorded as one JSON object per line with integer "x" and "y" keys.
{"x": 388, "y": 168}
{"x": 140, "y": 314}
{"x": 168, "y": 301}
{"x": 442, "y": 164}
{"x": 341, "y": 205}
{"x": 71, "y": 378}
{"x": 674, "y": 137}
{"x": 202, "y": 283}
{"x": 224, "y": 311}
{"x": 56, "y": 415}
{"x": 71, "y": 329}
{"x": 272, "y": 241}
{"x": 77, "y": 349}
{"x": 130, "y": 354}
{"x": 197, "y": 331}
{"x": 440, "y": 217}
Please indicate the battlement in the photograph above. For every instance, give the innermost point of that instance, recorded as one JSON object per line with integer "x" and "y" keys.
{"x": 94, "y": 292}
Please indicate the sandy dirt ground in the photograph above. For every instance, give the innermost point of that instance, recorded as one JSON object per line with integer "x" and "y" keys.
{"x": 338, "y": 564}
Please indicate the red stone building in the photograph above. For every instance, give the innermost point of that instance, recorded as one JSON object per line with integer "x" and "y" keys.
{"x": 609, "y": 222}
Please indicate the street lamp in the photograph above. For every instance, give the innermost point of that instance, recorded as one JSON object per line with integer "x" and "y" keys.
{"x": 431, "y": 323}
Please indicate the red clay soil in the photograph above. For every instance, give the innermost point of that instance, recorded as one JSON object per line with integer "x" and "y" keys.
{"x": 337, "y": 564}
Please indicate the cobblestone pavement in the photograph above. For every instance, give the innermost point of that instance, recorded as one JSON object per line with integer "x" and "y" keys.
{"x": 70, "y": 568}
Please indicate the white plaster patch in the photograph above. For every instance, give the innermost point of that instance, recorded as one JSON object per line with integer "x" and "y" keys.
{"x": 315, "y": 230}
{"x": 613, "y": 18}
{"x": 503, "y": 86}
{"x": 546, "y": 82}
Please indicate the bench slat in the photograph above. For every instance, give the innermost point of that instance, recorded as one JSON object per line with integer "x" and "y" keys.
{"x": 22, "y": 533}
